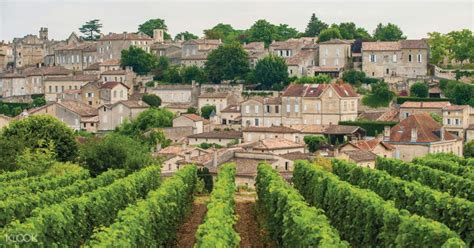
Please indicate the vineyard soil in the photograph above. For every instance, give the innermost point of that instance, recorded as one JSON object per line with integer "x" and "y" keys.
{"x": 187, "y": 232}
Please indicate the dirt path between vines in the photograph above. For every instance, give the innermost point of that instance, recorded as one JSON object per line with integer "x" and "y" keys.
{"x": 247, "y": 224}
{"x": 186, "y": 234}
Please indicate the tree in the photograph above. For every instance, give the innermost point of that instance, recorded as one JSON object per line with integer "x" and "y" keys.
{"x": 185, "y": 36}
{"x": 220, "y": 31}
{"x": 462, "y": 45}
{"x": 205, "y": 175}
{"x": 353, "y": 76}
{"x": 271, "y": 72}
{"x": 419, "y": 89}
{"x": 152, "y": 24}
{"x": 37, "y": 161}
{"x": 141, "y": 61}
{"x": 285, "y": 32}
{"x": 330, "y": 33}
{"x": 469, "y": 149}
{"x": 193, "y": 72}
{"x": 318, "y": 79}
{"x": 437, "y": 118}
{"x": 389, "y": 32}
{"x": 161, "y": 67}
{"x": 91, "y": 30}
{"x": 192, "y": 110}
{"x": 173, "y": 75}
{"x": 227, "y": 62}
{"x": 207, "y": 110}
{"x": 38, "y": 101}
{"x": 314, "y": 142}
{"x": 264, "y": 31}
{"x": 114, "y": 152}
{"x": 350, "y": 31}
{"x": 39, "y": 130}
{"x": 10, "y": 149}
{"x": 146, "y": 120}
{"x": 379, "y": 96}
{"x": 439, "y": 44}
{"x": 315, "y": 26}
{"x": 152, "y": 100}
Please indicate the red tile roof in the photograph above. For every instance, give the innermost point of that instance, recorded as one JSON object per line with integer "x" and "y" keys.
{"x": 410, "y": 104}
{"x": 369, "y": 145}
{"x": 428, "y": 130}
{"x": 193, "y": 117}
{"x": 218, "y": 135}
{"x": 315, "y": 90}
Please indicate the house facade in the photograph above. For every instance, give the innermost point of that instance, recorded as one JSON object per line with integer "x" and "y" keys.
{"x": 112, "y": 92}
{"x": 110, "y": 46}
{"x": 409, "y": 108}
{"x": 55, "y": 86}
{"x": 113, "y": 115}
{"x": 261, "y": 112}
{"x": 198, "y": 124}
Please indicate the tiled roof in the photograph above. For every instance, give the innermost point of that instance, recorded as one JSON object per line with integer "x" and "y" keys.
{"x": 300, "y": 57}
{"x": 361, "y": 155}
{"x": 456, "y": 107}
{"x": 428, "y": 130}
{"x": 344, "y": 90}
{"x": 214, "y": 95}
{"x": 111, "y": 85}
{"x": 294, "y": 90}
{"x": 410, "y": 104}
{"x": 341, "y": 129}
{"x": 255, "y": 45}
{"x": 125, "y": 36}
{"x": 202, "y": 41}
{"x": 79, "y": 108}
{"x": 315, "y": 90}
{"x": 276, "y": 143}
{"x": 111, "y": 62}
{"x": 389, "y": 115}
{"x": 193, "y": 117}
{"x": 133, "y": 104}
{"x": 272, "y": 129}
{"x": 414, "y": 44}
{"x": 278, "y": 45}
{"x": 309, "y": 128}
{"x": 369, "y": 145}
{"x": 381, "y": 46}
{"x": 231, "y": 109}
{"x": 335, "y": 41}
{"x": 218, "y": 135}
{"x": 296, "y": 156}
{"x": 114, "y": 72}
{"x": 83, "y": 77}
{"x": 46, "y": 70}
{"x": 93, "y": 67}
{"x": 86, "y": 47}
{"x": 266, "y": 100}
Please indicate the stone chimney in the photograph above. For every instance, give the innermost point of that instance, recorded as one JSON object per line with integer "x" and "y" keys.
{"x": 386, "y": 133}
{"x": 214, "y": 157}
{"x": 441, "y": 133}
{"x": 414, "y": 135}
{"x": 159, "y": 35}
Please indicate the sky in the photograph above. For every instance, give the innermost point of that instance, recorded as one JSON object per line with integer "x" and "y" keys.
{"x": 416, "y": 17}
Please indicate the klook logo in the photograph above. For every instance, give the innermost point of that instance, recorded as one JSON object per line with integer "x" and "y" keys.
{"x": 21, "y": 238}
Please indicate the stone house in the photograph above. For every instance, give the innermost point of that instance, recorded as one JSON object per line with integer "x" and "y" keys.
{"x": 176, "y": 93}
{"x": 199, "y": 124}
{"x": 126, "y": 76}
{"x": 77, "y": 115}
{"x": 301, "y": 63}
{"x": 231, "y": 115}
{"x": 286, "y": 49}
{"x": 76, "y": 56}
{"x": 31, "y": 49}
{"x": 178, "y": 108}
{"x": 55, "y": 86}
{"x": 456, "y": 119}
{"x": 261, "y": 111}
{"x": 376, "y": 146}
{"x": 253, "y": 134}
{"x": 222, "y": 138}
{"x": 90, "y": 93}
{"x": 275, "y": 145}
{"x": 6, "y": 56}
{"x": 113, "y": 115}
{"x": 404, "y": 58}
{"x": 334, "y": 56}
{"x": 112, "y": 92}
{"x": 110, "y": 46}
{"x": 408, "y": 108}
{"x": 171, "y": 156}
{"x": 172, "y": 51}
{"x": 470, "y": 133}
{"x": 362, "y": 158}
{"x": 194, "y": 52}
{"x": 218, "y": 99}
{"x": 418, "y": 135}
{"x": 256, "y": 51}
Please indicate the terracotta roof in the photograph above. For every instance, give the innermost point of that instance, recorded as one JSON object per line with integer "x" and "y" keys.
{"x": 193, "y": 117}
{"x": 341, "y": 129}
{"x": 335, "y": 41}
{"x": 79, "y": 108}
{"x": 93, "y": 67}
{"x": 278, "y": 45}
{"x": 46, "y": 70}
{"x": 315, "y": 90}
{"x": 389, "y": 115}
{"x": 214, "y": 95}
{"x": 369, "y": 145}
{"x": 255, "y": 45}
{"x": 428, "y": 130}
{"x": 266, "y": 100}
{"x": 112, "y": 84}
{"x": 125, "y": 36}
{"x": 300, "y": 57}
{"x": 275, "y": 144}
{"x": 414, "y": 44}
{"x": 456, "y": 107}
{"x": 309, "y": 128}
{"x": 111, "y": 62}
{"x": 231, "y": 109}
{"x": 409, "y": 104}
{"x": 202, "y": 41}
{"x": 294, "y": 90}
{"x": 218, "y": 135}
{"x": 272, "y": 129}
{"x": 296, "y": 156}
{"x": 344, "y": 90}
{"x": 133, "y": 104}
{"x": 86, "y": 47}
{"x": 381, "y": 46}
{"x": 83, "y": 77}
{"x": 114, "y": 72}
{"x": 361, "y": 155}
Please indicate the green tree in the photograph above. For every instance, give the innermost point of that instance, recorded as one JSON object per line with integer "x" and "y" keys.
{"x": 220, "y": 31}
{"x": 439, "y": 44}
{"x": 185, "y": 36}
{"x": 192, "y": 110}
{"x": 141, "y": 61}
{"x": 330, "y": 33}
{"x": 39, "y": 101}
{"x": 286, "y": 32}
{"x": 271, "y": 72}
{"x": 152, "y": 24}
{"x": 264, "y": 31}
{"x": 318, "y": 79}
{"x": 353, "y": 76}
{"x": 315, "y": 26}
{"x": 207, "y": 110}
{"x": 173, "y": 75}
{"x": 419, "y": 89}
{"x": 469, "y": 149}
{"x": 152, "y": 100}
{"x": 39, "y": 130}
{"x": 315, "y": 142}
{"x": 114, "y": 152}
{"x": 37, "y": 161}
{"x": 10, "y": 149}
{"x": 91, "y": 30}
{"x": 228, "y": 62}
{"x": 437, "y": 118}
{"x": 193, "y": 72}
{"x": 350, "y": 31}
{"x": 389, "y": 32}
{"x": 379, "y": 96}
{"x": 462, "y": 46}
{"x": 162, "y": 65}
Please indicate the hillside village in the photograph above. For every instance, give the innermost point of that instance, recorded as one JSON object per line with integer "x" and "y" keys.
{"x": 129, "y": 124}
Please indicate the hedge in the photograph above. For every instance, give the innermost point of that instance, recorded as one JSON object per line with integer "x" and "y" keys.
{"x": 433, "y": 178}
{"x": 217, "y": 230}
{"x": 456, "y": 213}
{"x": 447, "y": 166}
{"x": 288, "y": 218}
{"x": 371, "y": 127}
{"x": 13, "y": 175}
{"x": 362, "y": 217}
{"x": 402, "y": 99}
{"x": 153, "y": 221}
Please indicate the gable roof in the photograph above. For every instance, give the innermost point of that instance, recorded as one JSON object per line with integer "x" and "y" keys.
{"x": 361, "y": 155}
{"x": 231, "y": 109}
{"x": 79, "y": 108}
{"x": 316, "y": 90}
{"x": 370, "y": 145}
{"x": 300, "y": 57}
{"x": 381, "y": 46}
{"x": 272, "y": 129}
{"x": 275, "y": 143}
{"x": 112, "y": 84}
{"x": 409, "y": 104}
{"x": 335, "y": 41}
{"x": 414, "y": 44}
{"x": 193, "y": 117}
{"x": 125, "y": 36}
{"x": 265, "y": 100}
{"x": 133, "y": 103}
{"x": 218, "y": 135}
{"x": 428, "y": 130}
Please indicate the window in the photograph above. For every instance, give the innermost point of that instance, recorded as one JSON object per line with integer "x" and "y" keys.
{"x": 387, "y": 71}
{"x": 50, "y": 89}
{"x": 323, "y": 62}
{"x": 419, "y": 58}
{"x": 326, "y": 52}
{"x": 318, "y": 107}
{"x": 336, "y": 62}
{"x": 394, "y": 58}
{"x": 330, "y": 93}
{"x": 277, "y": 109}
{"x": 121, "y": 94}
{"x": 373, "y": 58}
{"x": 115, "y": 93}
{"x": 247, "y": 109}
{"x": 409, "y": 57}
{"x": 288, "y": 107}
{"x": 345, "y": 106}
{"x": 297, "y": 107}
{"x": 268, "y": 108}
{"x": 286, "y": 165}
{"x": 338, "y": 52}
{"x": 90, "y": 94}
{"x": 256, "y": 122}
{"x": 256, "y": 109}
{"x": 56, "y": 89}
{"x": 305, "y": 107}
{"x": 457, "y": 121}
{"x": 449, "y": 121}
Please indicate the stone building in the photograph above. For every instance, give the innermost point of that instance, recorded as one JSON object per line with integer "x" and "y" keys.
{"x": 112, "y": 92}
{"x": 176, "y": 93}
{"x": 172, "y": 51}
{"x": 456, "y": 119}
{"x": 6, "y": 56}
{"x": 261, "y": 111}
{"x": 110, "y": 46}
{"x": 112, "y": 115}
{"x": 404, "y": 58}
{"x": 334, "y": 57}
{"x": 90, "y": 93}
{"x": 54, "y": 86}
{"x": 418, "y": 135}
{"x": 222, "y": 138}
{"x": 31, "y": 49}
{"x": 198, "y": 124}
{"x": 218, "y": 99}
{"x": 408, "y": 108}
{"x": 194, "y": 52}
{"x": 76, "y": 57}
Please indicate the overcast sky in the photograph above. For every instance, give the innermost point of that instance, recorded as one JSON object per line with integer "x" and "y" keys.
{"x": 415, "y": 17}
